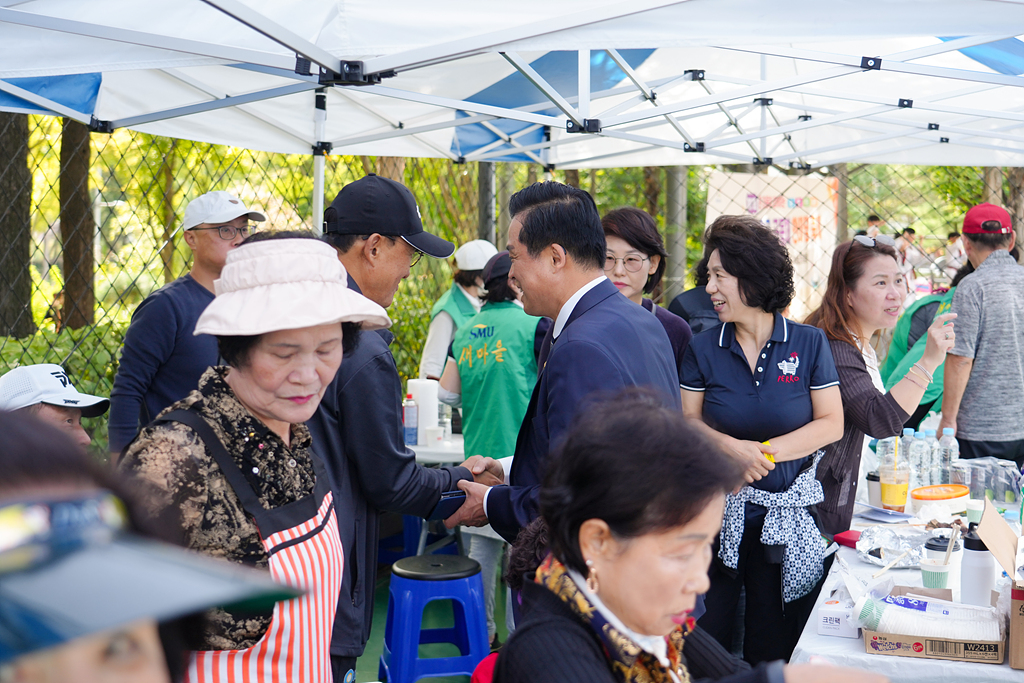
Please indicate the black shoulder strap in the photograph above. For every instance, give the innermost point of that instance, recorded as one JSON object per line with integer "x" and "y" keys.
{"x": 243, "y": 489}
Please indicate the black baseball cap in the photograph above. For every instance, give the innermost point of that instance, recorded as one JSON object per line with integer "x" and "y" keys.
{"x": 497, "y": 268}
{"x": 374, "y": 204}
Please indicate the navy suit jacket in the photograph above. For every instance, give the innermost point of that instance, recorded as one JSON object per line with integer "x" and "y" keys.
{"x": 607, "y": 344}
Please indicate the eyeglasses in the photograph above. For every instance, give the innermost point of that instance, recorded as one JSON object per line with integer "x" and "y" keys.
{"x": 870, "y": 242}
{"x": 416, "y": 253}
{"x": 632, "y": 263}
{"x": 228, "y": 232}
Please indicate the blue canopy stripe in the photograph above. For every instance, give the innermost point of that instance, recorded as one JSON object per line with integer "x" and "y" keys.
{"x": 1005, "y": 56}
{"x": 77, "y": 91}
{"x": 560, "y": 69}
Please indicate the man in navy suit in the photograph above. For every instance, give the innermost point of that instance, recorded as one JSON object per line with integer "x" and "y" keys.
{"x": 600, "y": 342}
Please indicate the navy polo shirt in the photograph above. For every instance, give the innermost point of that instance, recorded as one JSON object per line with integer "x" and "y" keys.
{"x": 773, "y": 400}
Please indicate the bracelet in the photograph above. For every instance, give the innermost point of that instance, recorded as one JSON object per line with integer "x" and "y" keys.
{"x": 910, "y": 377}
{"x": 926, "y": 373}
{"x": 917, "y": 373}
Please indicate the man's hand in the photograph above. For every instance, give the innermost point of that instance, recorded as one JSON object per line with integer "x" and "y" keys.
{"x": 751, "y": 454}
{"x": 945, "y": 422}
{"x": 486, "y": 471}
{"x": 472, "y": 511}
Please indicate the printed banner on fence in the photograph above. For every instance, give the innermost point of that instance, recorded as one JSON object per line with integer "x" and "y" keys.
{"x": 802, "y": 212}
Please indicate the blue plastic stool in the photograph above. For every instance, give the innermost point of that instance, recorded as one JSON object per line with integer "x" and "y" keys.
{"x": 416, "y": 581}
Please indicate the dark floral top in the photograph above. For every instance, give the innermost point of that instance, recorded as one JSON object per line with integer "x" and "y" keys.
{"x": 172, "y": 459}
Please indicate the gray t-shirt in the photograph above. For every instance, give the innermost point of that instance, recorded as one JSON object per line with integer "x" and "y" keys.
{"x": 989, "y": 305}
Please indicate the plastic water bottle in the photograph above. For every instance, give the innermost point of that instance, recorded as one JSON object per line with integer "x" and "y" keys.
{"x": 954, "y": 445}
{"x": 947, "y": 444}
{"x": 906, "y": 440}
{"x": 920, "y": 462}
{"x": 410, "y": 420}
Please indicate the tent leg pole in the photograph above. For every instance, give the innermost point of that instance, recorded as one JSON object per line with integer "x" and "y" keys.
{"x": 318, "y": 193}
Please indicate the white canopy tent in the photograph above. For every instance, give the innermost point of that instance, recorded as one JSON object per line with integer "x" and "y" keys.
{"x": 645, "y": 82}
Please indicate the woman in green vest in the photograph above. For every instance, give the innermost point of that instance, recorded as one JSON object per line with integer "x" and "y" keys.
{"x": 491, "y": 371}
{"x": 456, "y": 306}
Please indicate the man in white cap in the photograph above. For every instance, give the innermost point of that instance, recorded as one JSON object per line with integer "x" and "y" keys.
{"x": 456, "y": 306}
{"x": 162, "y": 360}
{"x": 45, "y": 391}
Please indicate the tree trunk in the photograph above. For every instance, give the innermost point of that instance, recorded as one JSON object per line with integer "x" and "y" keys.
{"x": 485, "y": 201}
{"x": 15, "y": 228}
{"x": 572, "y": 177}
{"x": 652, "y": 189}
{"x": 675, "y": 230}
{"x": 77, "y": 229}
{"x": 505, "y": 180}
{"x": 531, "y": 175}
{"x": 169, "y": 220}
{"x": 993, "y": 190}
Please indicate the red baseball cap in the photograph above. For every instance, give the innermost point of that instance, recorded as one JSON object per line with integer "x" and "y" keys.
{"x": 987, "y": 219}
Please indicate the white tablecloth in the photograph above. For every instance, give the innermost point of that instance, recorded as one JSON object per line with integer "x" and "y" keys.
{"x": 450, "y": 452}
{"x": 850, "y": 651}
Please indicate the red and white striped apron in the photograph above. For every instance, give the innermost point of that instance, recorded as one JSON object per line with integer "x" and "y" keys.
{"x": 302, "y": 542}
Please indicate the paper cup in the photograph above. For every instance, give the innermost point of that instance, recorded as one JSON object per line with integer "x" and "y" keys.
{"x": 434, "y": 436}
{"x": 974, "y": 510}
{"x": 935, "y": 574}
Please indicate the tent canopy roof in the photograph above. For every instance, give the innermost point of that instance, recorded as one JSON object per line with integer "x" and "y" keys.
{"x": 663, "y": 82}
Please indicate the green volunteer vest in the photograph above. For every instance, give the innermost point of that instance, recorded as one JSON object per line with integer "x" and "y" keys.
{"x": 455, "y": 304}
{"x": 494, "y": 352}
{"x": 897, "y": 364}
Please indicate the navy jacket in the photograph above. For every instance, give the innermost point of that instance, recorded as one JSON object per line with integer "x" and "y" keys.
{"x": 607, "y": 344}
{"x": 357, "y": 433}
{"x": 162, "y": 360}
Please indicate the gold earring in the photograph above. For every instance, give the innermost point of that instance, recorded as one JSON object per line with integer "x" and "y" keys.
{"x": 592, "y": 585}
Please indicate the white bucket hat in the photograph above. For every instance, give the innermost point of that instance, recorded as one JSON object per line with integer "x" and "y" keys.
{"x": 285, "y": 284}
{"x": 474, "y": 255}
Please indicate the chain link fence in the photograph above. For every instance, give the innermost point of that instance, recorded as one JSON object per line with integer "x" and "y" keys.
{"x": 90, "y": 224}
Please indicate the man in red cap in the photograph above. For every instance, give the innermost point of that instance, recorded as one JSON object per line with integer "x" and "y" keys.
{"x": 983, "y": 397}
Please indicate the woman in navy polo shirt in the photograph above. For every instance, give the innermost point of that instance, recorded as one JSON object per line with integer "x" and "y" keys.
{"x": 768, "y": 389}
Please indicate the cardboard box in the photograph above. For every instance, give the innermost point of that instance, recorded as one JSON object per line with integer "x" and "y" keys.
{"x": 1003, "y": 544}
{"x": 988, "y": 652}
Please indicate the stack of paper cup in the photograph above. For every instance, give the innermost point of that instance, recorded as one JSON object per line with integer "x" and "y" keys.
{"x": 424, "y": 392}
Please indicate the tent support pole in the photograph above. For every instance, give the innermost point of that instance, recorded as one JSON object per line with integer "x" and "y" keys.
{"x": 319, "y": 158}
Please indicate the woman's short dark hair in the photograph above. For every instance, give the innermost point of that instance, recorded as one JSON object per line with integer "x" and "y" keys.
{"x": 235, "y": 350}
{"x": 499, "y": 290}
{"x": 635, "y": 464}
{"x": 467, "y": 278}
{"x": 756, "y": 257}
{"x": 553, "y": 213}
{"x": 637, "y": 229}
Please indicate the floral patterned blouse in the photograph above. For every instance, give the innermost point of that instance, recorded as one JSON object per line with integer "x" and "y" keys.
{"x": 171, "y": 459}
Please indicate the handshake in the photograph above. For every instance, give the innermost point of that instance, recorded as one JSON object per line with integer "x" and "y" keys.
{"x": 487, "y": 472}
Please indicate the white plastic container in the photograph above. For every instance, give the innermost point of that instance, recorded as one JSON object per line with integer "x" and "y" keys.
{"x": 977, "y": 571}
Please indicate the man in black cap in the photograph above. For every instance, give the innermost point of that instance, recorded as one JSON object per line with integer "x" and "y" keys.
{"x": 374, "y": 224}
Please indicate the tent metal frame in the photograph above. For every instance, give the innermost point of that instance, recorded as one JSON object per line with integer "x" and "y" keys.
{"x": 641, "y": 104}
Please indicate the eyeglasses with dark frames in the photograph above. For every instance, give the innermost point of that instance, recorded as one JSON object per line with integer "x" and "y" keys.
{"x": 228, "y": 232}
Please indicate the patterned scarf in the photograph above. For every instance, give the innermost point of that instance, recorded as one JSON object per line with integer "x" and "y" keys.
{"x": 630, "y": 663}
{"x": 787, "y": 523}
